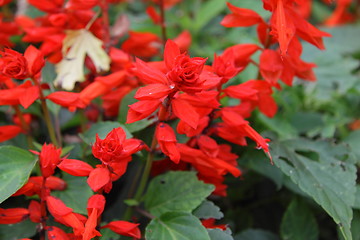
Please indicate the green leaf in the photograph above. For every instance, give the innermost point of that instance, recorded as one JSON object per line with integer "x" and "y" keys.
{"x": 102, "y": 128}
{"x": 176, "y": 191}
{"x": 256, "y": 234}
{"x": 15, "y": 167}
{"x": 354, "y": 141}
{"x": 176, "y": 226}
{"x": 298, "y": 223}
{"x": 357, "y": 198}
{"x": 24, "y": 229}
{"x": 217, "y": 234}
{"x": 207, "y": 210}
{"x": 324, "y": 171}
{"x": 76, "y": 193}
{"x": 208, "y": 11}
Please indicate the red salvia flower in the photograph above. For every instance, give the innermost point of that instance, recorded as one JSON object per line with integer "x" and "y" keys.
{"x": 9, "y": 131}
{"x": 13, "y": 215}
{"x": 124, "y": 228}
{"x": 49, "y": 158}
{"x": 115, "y": 146}
{"x": 13, "y": 64}
{"x": 166, "y": 138}
{"x": 75, "y": 167}
{"x": 56, "y": 233}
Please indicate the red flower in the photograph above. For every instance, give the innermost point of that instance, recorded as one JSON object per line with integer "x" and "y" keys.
{"x": 13, "y": 64}
{"x": 8, "y": 132}
{"x": 13, "y": 215}
{"x": 99, "y": 178}
{"x": 115, "y": 146}
{"x": 167, "y": 140}
{"x": 75, "y": 167}
{"x": 142, "y": 44}
{"x": 124, "y": 228}
{"x": 183, "y": 70}
{"x": 49, "y": 158}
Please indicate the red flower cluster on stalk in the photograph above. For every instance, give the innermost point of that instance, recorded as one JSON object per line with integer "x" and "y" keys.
{"x": 180, "y": 95}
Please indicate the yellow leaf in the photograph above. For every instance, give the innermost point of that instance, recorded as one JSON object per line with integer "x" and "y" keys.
{"x": 76, "y": 46}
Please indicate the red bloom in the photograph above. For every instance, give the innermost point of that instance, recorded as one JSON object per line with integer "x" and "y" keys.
{"x": 98, "y": 178}
{"x": 4, "y": 2}
{"x": 56, "y": 233}
{"x": 75, "y": 167}
{"x": 124, "y": 228}
{"x": 183, "y": 71}
{"x": 49, "y": 158}
{"x": 35, "y": 211}
{"x": 142, "y": 44}
{"x": 115, "y": 146}
{"x": 240, "y": 17}
{"x": 167, "y": 140}
{"x": 8, "y": 132}
{"x": 13, "y": 64}
{"x": 13, "y": 215}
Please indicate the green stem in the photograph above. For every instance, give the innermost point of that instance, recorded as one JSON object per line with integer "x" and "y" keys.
{"x": 47, "y": 117}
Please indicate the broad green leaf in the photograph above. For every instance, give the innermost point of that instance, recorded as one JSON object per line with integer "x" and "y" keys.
{"x": 355, "y": 225}
{"x": 76, "y": 194}
{"x": 207, "y": 210}
{"x": 354, "y": 141}
{"x": 324, "y": 171}
{"x": 357, "y": 198}
{"x": 24, "y": 229}
{"x": 256, "y": 234}
{"x": 176, "y": 226}
{"x": 102, "y": 128}
{"x": 176, "y": 191}
{"x": 259, "y": 162}
{"x": 299, "y": 223}
{"x": 16, "y": 165}
{"x": 217, "y": 234}
{"x": 208, "y": 11}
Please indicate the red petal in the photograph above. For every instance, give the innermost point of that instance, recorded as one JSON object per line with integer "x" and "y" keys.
{"x": 29, "y": 96}
{"x": 90, "y": 226}
{"x": 152, "y": 92}
{"x": 56, "y": 233}
{"x": 56, "y": 207}
{"x": 241, "y": 17}
{"x": 124, "y": 228}
{"x": 148, "y": 74}
{"x": 171, "y": 51}
{"x": 13, "y": 215}
{"x": 9, "y": 131}
{"x": 35, "y": 60}
{"x": 35, "y": 211}
{"x": 185, "y": 112}
{"x": 96, "y": 201}
{"x": 165, "y": 135}
{"x": 76, "y": 167}
{"x": 271, "y": 65}
{"x": 98, "y": 178}
{"x": 141, "y": 110}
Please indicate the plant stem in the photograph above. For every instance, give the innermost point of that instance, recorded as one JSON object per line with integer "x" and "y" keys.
{"x": 47, "y": 117}
{"x": 43, "y": 210}
{"x": 150, "y": 157}
{"x": 162, "y": 19}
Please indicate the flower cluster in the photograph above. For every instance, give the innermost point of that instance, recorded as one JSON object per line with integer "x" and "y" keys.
{"x": 180, "y": 109}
